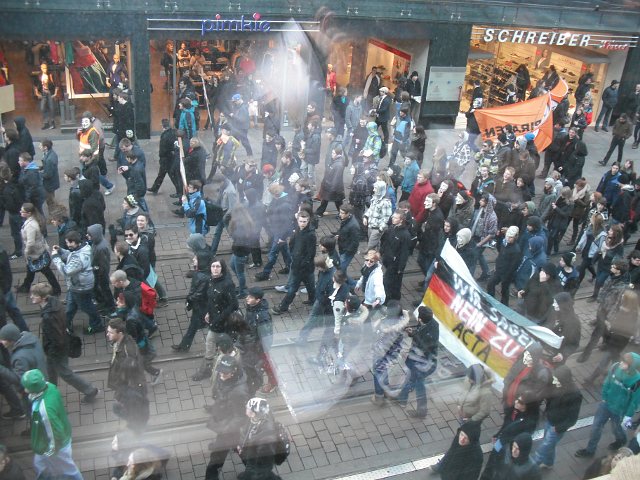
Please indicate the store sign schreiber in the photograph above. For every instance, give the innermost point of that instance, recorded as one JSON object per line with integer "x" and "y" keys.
{"x": 242, "y": 24}
{"x": 541, "y": 37}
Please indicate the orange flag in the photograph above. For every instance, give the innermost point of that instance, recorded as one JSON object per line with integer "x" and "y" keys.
{"x": 533, "y": 116}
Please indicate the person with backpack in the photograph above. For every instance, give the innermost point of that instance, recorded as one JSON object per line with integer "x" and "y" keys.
{"x": 261, "y": 447}
{"x": 128, "y": 308}
{"x": 145, "y": 297}
{"x": 76, "y": 266}
{"x": 55, "y": 342}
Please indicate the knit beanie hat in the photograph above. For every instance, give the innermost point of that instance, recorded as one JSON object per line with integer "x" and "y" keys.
{"x": 131, "y": 200}
{"x": 512, "y": 231}
{"x": 568, "y": 258}
{"x": 10, "y": 333}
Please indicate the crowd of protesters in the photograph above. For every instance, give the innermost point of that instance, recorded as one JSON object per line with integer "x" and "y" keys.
{"x": 480, "y": 199}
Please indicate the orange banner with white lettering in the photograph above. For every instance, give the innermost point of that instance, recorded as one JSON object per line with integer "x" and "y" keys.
{"x": 533, "y": 116}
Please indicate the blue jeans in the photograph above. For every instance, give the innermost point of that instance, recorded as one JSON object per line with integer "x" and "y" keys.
{"x": 104, "y": 181}
{"x": 293, "y": 283}
{"x": 48, "y": 108}
{"x": 217, "y": 235}
{"x": 345, "y": 261}
{"x": 83, "y": 301}
{"x": 237, "y": 267}
{"x": 58, "y": 465}
{"x": 603, "y": 116}
{"x": 484, "y": 266}
{"x": 272, "y": 256}
{"x": 416, "y": 382}
{"x": 143, "y": 204}
{"x": 195, "y": 324}
{"x": 546, "y": 452}
{"x": 603, "y": 415}
{"x": 317, "y": 318}
{"x": 11, "y": 309}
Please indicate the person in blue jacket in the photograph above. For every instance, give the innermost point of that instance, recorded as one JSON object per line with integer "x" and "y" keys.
{"x": 194, "y": 208}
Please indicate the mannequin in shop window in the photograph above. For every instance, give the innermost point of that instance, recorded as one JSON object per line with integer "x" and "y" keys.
{"x": 46, "y": 90}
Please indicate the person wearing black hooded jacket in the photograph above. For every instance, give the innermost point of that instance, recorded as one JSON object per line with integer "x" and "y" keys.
{"x": 257, "y": 448}
{"x": 538, "y": 293}
{"x": 563, "y": 409}
{"x": 93, "y": 205}
{"x": 517, "y": 464}
{"x": 221, "y": 303}
{"x": 12, "y": 151}
{"x": 564, "y": 322}
{"x": 25, "y": 141}
{"x": 227, "y": 413}
{"x": 463, "y": 460}
{"x": 521, "y": 418}
{"x": 196, "y": 299}
{"x": 101, "y": 261}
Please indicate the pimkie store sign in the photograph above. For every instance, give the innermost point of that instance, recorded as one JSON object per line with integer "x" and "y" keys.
{"x": 242, "y": 24}
{"x": 551, "y": 37}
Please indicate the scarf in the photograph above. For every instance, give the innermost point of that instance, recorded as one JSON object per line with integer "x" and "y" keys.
{"x": 579, "y": 194}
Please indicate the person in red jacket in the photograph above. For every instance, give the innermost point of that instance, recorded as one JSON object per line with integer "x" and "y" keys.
{"x": 421, "y": 189}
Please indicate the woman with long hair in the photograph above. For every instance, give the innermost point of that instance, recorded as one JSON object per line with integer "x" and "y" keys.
{"x": 36, "y": 250}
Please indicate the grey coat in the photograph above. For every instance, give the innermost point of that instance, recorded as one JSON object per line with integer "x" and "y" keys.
{"x": 26, "y": 355}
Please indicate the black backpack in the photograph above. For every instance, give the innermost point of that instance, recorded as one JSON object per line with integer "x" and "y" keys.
{"x": 282, "y": 444}
{"x": 214, "y": 212}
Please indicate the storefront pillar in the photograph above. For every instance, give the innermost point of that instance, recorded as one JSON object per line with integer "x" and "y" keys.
{"x": 630, "y": 78}
{"x": 449, "y": 47}
{"x": 141, "y": 84}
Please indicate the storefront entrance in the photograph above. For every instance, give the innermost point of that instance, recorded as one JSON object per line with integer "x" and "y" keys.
{"x": 495, "y": 55}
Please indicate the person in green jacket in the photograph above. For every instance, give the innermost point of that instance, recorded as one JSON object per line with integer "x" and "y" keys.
{"x": 50, "y": 429}
{"x": 620, "y": 400}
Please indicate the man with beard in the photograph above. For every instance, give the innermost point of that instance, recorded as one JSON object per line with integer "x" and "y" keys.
{"x": 227, "y": 413}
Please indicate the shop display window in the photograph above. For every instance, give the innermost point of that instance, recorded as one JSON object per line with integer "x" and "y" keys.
{"x": 494, "y": 64}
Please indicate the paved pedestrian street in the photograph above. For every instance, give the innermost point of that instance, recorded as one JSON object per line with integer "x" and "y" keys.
{"x": 335, "y": 429}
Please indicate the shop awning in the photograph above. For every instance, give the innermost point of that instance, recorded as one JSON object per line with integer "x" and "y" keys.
{"x": 479, "y": 54}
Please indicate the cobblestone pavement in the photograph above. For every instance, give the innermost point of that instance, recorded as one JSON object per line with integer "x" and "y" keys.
{"x": 336, "y": 431}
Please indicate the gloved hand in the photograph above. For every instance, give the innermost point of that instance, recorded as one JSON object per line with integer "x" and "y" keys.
{"x": 627, "y": 422}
